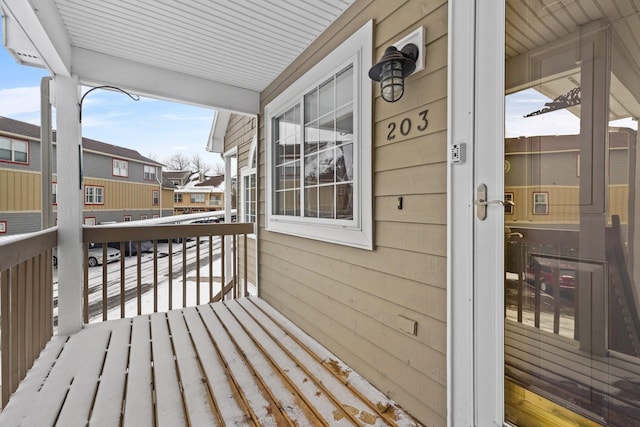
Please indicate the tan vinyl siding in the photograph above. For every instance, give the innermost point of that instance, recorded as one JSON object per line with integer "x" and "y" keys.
{"x": 123, "y": 195}
{"x": 240, "y": 134}
{"x": 167, "y": 198}
{"x": 19, "y": 191}
{"x": 563, "y": 202}
{"x": 352, "y": 300}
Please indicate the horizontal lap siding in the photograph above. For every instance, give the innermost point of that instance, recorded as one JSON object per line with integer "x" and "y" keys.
{"x": 352, "y": 300}
{"x": 240, "y": 133}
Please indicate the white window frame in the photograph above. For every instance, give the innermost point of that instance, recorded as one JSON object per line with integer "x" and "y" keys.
{"x": 155, "y": 197}
{"x": 536, "y": 203}
{"x": 177, "y": 195}
{"x": 90, "y": 220}
{"x": 201, "y": 195}
{"x": 509, "y": 208}
{"x": 54, "y": 193}
{"x": 120, "y": 168}
{"x": 97, "y": 196}
{"x": 149, "y": 173}
{"x": 3, "y": 227}
{"x": 245, "y": 173}
{"x": 358, "y": 232}
{"x": 13, "y": 150}
{"x": 126, "y": 218}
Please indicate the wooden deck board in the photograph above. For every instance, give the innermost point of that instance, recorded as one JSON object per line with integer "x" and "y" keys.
{"x": 107, "y": 408}
{"x": 253, "y": 393}
{"x": 67, "y": 372}
{"x": 229, "y": 363}
{"x": 225, "y": 397}
{"x": 138, "y": 405}
{"x": 195, "y": 392}
{"x": 169, "y": 407}
{"x": 343, "y": 398}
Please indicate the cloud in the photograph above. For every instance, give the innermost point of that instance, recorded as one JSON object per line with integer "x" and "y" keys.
{"x": 19, "y": 100}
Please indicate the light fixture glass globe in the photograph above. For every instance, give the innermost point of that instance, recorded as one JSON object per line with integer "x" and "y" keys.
{"x": 392, "y": 81}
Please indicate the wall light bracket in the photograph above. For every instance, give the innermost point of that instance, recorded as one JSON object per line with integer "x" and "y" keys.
{"x": 398, "y": 62}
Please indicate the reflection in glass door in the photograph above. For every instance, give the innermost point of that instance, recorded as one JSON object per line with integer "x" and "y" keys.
{"x": 572, "y": 282}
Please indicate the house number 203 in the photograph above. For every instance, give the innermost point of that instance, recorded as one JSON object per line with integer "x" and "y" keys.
{"x": 406, "y": 125}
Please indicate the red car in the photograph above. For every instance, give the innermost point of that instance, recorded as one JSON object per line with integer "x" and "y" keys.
{"x": 549, "y": 270}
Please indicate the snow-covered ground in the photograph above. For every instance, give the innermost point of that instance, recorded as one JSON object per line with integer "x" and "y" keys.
{"x": 147, "y": 281}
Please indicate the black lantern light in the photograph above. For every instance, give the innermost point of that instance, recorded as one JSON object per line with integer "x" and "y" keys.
{"x": 392, "y": 68}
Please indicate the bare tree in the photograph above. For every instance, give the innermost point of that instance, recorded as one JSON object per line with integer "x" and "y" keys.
{"x": 198, "y": 165}
{"x": 218, "y": 168}
{"x": 178, "y": 162}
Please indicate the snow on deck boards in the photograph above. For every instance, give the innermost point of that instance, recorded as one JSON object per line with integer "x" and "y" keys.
{"x": 229, "y": 363}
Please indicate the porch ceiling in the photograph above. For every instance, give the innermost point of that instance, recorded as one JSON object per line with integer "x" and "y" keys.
{"x": 228, "y": 50}
{"x": 532, "y": 25}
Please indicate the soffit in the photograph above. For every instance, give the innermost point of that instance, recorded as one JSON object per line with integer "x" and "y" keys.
{"x": 532, "y": 24}
{"x": 244, "y": 43}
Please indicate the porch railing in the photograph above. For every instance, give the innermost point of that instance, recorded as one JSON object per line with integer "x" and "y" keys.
{"x": 182, "y": 249}
{"x": 26, "y": 303}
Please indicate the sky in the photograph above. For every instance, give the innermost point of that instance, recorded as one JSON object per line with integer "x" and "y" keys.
{"x": 156, "y": 129}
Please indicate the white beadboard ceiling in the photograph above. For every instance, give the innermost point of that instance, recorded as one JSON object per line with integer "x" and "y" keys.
{"x": 532, "y": 24}
{"x": 235, "y": 44}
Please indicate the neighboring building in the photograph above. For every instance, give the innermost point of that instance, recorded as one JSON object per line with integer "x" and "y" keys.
{"x": 205, "y": 196}
{"x": 119, "y": 184}
{"x": 177, "y": 178}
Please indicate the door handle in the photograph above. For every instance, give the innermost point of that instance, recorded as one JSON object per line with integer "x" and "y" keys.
{"x": 481, "y": 202}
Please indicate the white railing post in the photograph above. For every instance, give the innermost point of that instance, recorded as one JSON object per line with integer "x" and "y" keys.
{"x": 70, "y": 203}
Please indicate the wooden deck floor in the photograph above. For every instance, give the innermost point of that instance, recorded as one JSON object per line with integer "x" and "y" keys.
{"x": 233, "y": 363}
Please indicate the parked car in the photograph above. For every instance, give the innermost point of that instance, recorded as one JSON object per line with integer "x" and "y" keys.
{"x": 130, "y": 246}
{"x": 95, "y": 255}
{"x": 549, "y": 270}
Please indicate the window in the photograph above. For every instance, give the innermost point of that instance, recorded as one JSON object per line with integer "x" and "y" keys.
{"x": 54, "y": 193}
{"x": 319, "y": 149}
{"x": 90, "y": 220}
{"x": 155, "y": 216}
{"x": 249, "y": 197}
{"x": 249, "y": 186}
{"x": 197, "y": 198}
{"x": 156, "y": 197}
{"x": 540, "y": 203}
{"x": 93, "y": 195}
{"x": 126, "y": 218}
{"x": 120, "y": 168}
{"x": 14, "y": 151}
{"x": 177, "y": 197}
{"x": 3, "y": 227}
{"x": 508, "y": 207}
{"x": 149, "y": 173}
{"x": 144, "y": 216}
{"x": 216, "y": 198}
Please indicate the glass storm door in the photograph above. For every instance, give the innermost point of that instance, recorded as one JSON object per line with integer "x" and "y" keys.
{"x": 571, "y": 173}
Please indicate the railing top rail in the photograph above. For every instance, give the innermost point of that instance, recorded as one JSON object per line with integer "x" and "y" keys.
{"x": 21, "y": 247}
{"x": 113, "y": 233}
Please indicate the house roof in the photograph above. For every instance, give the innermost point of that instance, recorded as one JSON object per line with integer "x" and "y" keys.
{"x": 213, "y": 181}
{"x": 30, "y": 131}
{"x": 181, "y": 175}
{"x": 217, "y": 53}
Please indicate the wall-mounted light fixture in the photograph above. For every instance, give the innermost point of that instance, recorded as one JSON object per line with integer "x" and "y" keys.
{"x": 392, "y": 68}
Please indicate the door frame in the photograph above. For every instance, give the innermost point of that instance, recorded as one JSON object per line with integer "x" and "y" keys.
{"x": 475, "y": 257}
